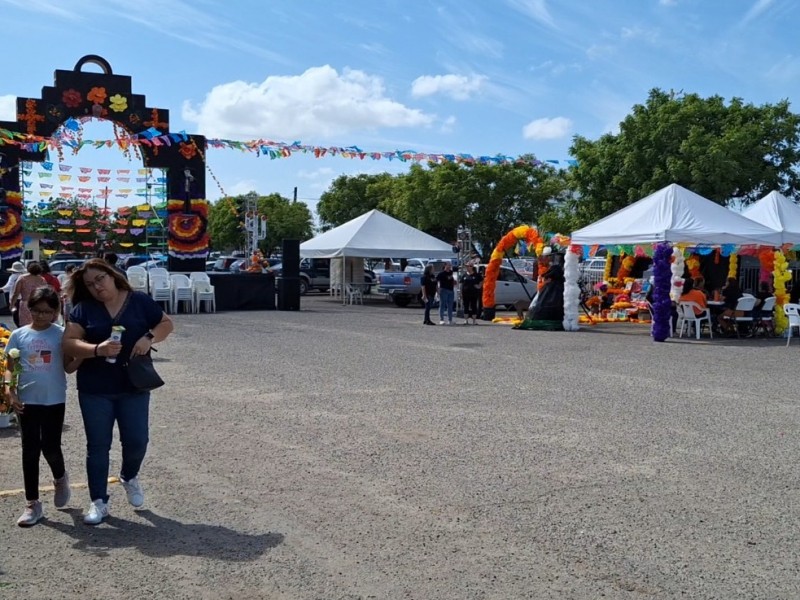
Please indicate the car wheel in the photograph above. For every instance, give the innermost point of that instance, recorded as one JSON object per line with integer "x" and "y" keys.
{"x": 303, "y": 287}
{"x": 402, "y": 301}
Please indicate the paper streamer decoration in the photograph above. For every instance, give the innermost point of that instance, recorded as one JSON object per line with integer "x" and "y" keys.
{"x": 572, "y": 291}
{"x": 662, "y": 304}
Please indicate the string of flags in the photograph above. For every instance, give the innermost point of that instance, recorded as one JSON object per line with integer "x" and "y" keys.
{"x": 65, "y": 137}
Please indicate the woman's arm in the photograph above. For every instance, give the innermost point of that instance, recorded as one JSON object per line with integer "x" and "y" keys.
{"x": 74, "y": 346}
{"x": 16, "y": 292}
{"x": 71, "y": 363}
{"x": 160, "y": 333}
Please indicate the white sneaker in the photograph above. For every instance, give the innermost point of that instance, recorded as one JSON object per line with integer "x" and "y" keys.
{"x": 441, "y": 322}
{"x": 98, "y": 510}
{"x": 63, "y": 493}
{"x": 451, "y": 322}
{"x": 134, "y": 491}
{"x": 32, "y": 514}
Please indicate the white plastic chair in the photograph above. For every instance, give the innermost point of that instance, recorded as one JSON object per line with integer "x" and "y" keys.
{"x": 136, "y": 269}
{"x": 744, "y": 305}
{"x": 182, "y": 291}
{"x": 792, "y": 311}
{"x": 687, "y": 317}
{"x": 766, "y": 323}
{"x": 204, "y": 294}
{"x": 138, "y": 281}
{"x": 199, "y": 276}
{"x": 161, "y": 290}
{"x": 354, "y": 294}
{"x": 158, "y": 271}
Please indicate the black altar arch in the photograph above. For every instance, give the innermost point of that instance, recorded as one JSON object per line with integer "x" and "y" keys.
{"x": 81, "y": 94}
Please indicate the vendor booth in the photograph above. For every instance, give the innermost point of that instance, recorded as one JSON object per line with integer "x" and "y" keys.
{"x": 662, "y": 225}
{"x": 372, "y": 235}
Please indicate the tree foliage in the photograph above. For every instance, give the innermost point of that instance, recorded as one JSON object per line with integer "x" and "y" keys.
{"x": 733, "y": 152}
{"x": 350, "y": 197}
{"x": 285, "y": 220}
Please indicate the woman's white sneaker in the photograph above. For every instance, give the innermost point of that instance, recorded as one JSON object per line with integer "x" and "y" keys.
{"x": 134, "y": 491}
{"x": 98, "y": 510}
{"x": 32, "y": 514}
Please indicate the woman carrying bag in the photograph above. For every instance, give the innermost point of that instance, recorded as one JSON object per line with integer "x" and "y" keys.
{"x": 102, "y": 300}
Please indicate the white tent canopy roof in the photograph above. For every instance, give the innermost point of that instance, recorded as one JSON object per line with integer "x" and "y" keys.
{"x": 675, "y": 214}
{"x": 779, "y": 213}
{"x": 375, "y": 235}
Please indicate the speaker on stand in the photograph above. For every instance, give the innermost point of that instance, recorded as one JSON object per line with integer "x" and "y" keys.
{"x": 289, "y": 281}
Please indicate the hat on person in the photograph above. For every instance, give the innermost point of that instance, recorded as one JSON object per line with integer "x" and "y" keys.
{"x": 554, "y": 272}
{"x": 17, "y": 267}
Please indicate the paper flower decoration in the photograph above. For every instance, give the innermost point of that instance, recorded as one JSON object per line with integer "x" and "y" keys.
{"x": 97, "y": 95}
{"x": 72, "y": 98}
{"x": 118, "y": 103}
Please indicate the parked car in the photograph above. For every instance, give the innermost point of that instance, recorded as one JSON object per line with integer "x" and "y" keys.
{"x": 57, "y": 267}
{"x": 512, "y": 287}
{"x": 592, "y": 270}
{"x": 405, "y": 287}
{"x": 315, "y": 274}
{"x": 223, "y": 263}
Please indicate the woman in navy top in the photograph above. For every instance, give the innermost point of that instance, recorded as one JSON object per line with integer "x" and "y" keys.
{"x": 103, "y": 298}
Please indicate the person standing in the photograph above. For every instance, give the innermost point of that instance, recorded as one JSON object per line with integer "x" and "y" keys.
{"x": 39, "y": 398}
{"x": 447, "y": 283}
{"x": 51, "y": 279}
{"x": 470, "y": 293}
{"x": 103, "y": 298}
{"x": 23, "y": 290}
{"x": 428, "y": 284}
{"x": 17, "y": 270}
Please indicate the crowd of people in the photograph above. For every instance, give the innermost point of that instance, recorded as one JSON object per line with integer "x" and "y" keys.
{"x": 39, "y": 354}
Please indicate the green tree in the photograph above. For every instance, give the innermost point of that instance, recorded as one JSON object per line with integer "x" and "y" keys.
{"x": 285, "y": 220}
{"x": 225, "y": 224}
{"x": 350, "y": 197}
{"x": 729, "y": 153}
{"x": 489, "y": 199}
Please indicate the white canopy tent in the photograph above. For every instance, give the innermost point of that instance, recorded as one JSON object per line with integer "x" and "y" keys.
{"x": 375, "y": 235}
{"x": 779, "y": 213}
{"x": 372, "y": 235}
{"x": 675, "y": 214}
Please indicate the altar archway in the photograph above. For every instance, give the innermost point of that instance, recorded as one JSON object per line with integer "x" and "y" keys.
{"x": 79, "y": 94}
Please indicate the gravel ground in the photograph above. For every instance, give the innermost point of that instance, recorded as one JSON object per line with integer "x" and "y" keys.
{"x": 351, "y": 452}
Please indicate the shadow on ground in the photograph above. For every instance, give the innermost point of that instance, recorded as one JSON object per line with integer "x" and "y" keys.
{"x": 163, "y": 537}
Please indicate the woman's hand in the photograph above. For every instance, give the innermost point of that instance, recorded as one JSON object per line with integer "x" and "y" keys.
{"x": 142, "y": 346}
{"x": 108, "y": 348}
{"x": 18, "y": 406}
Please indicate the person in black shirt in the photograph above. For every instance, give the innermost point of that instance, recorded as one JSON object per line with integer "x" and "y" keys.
{"x": 447, "y": 283}
{"x": 428, "y": 282}
{"x": 470, "y": 293}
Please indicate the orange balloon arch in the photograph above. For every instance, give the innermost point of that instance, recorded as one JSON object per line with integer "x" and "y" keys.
{"x": 526, "y": 233}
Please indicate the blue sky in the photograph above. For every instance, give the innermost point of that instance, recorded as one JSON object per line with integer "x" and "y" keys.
{"x": 502, "y": 77}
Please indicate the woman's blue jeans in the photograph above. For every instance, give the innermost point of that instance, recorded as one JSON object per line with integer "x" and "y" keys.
{"x": 446, "y": 303}
{"x": 100, "y": 411}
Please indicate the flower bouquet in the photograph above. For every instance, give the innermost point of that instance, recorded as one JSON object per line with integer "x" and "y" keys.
{"x": 10, "y": 361}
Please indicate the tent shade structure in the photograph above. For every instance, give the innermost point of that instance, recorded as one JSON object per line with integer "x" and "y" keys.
{"x": 375, "y": 235}
{"x": 779, "y": 213}
{"x": 675, "y": 214}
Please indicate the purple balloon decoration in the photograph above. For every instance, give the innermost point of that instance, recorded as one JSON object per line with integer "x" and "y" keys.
{"x": 662, "y": 304}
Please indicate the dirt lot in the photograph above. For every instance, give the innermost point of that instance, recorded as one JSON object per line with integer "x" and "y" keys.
{"x": 351, "y": 452}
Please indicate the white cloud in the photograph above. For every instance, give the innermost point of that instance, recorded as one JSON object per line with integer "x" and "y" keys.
{"x": 599, "y": 51}
{"x": 449, "y": 124}
{"x": 242, "y": 187}
{"x": 536, "y": 9}
{"x": 318, "y": 103}
{"x": 639, "y": 33}
{"x": 458, "y": 87}
{"x": 756, "y": 10}
{"x": 547, "y": 129}
{"x": 8, "y": 108}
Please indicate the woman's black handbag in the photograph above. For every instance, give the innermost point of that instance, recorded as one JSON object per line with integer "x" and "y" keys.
{"x": 142, "y": 373}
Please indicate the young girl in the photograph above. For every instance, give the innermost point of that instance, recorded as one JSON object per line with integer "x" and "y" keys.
{"x": 39, "y": 398}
